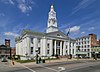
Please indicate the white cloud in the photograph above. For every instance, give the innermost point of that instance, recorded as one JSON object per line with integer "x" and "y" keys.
{"x": 18, "y": 28}
{"x": 91, "y": 28}
{"x": 73, "y": 29}
{"x": 24, "y": 8}
{"x": 11, "y": 34}
{"x": 5, "y": 22}
{"x": 2, "y": 14}
{"x": 8, "y": 1}
{"x": 82, "y": 32}
{"x": 83, "y": 4}
{"x": 11, "y": 2}
{"x": 24, "y": 5}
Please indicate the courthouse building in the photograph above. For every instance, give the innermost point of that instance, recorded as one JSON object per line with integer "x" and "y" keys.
{"x": 49, "y": 43}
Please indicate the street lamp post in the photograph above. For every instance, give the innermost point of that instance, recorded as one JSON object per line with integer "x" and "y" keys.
{"x": 26, "y": 55}
{"x": 78, "y": 49}
{"x": 37, "y": 56}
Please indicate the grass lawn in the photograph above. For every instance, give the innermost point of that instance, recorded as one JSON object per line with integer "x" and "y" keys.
{"x": 25, "y": 61}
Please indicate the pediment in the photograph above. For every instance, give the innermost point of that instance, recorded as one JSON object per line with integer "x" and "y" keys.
{"x": 57, "y": 34}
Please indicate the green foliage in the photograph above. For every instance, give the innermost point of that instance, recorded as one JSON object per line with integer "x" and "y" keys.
{"x": 16, "y": 57}
{"x": 51, "y": 58}
{"x": 25, "y": 61}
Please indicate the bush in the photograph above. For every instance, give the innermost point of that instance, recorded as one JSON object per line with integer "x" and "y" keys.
{"x": 25, "y": 61}
{"x": 16, "y": 57}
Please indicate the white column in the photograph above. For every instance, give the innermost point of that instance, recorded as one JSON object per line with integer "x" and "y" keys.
{"x": 64, "y": 48}
{"x": 16, "y": 48}
{"x": 28, "y": 46}
{"x": 51, "y": 47}
{"x": 41, "y": 48}
{"x": 44, "y": 47}
{"x": 90, "y": 53}
{"x": 61, "y": 48}
{"x": 55, "y": 47}
{"x": 25, "y": 46}
{"x": 74, "y": 48}
{"x": 68, "y": 47}
{"x": 35, "y": 42}
{"x": 24, "y": 49}
{"x": 71, "y": 48}
{"x": 21, "y": 47}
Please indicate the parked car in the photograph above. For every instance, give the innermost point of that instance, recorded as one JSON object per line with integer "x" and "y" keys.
{"x": 4, "y": 59}
{"x": 86, "y": 57}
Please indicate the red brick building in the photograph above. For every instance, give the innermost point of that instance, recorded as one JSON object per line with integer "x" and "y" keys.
{"x": 98, "y": 42}
{"x": 5, "y": 50}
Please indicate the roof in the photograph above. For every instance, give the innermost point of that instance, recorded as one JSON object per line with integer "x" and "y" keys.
{"x": 56, "y": 34}
{"x": 86, "y": 36}
{"x": 3, "y": 46}
{"x": 31, "y": 32}
{"x": 83, "y": 37}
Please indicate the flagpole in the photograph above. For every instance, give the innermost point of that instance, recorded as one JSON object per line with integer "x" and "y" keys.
{"x": 69, "y": 40}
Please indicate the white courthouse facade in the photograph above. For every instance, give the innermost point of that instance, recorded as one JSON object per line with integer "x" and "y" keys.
{"x": 52, "y": 42}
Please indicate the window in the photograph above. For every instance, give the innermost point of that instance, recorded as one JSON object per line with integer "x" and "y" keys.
{"x": 48, "y": 45}
{"x": 47, "y": 51}
{"x": 88, "y": 46}
{"x": 31, "y": 50}
{"x": 88, "y": 42}
{"x": 38, "y": 50}
{"x": 73, "y": 51}
{"x": 66, "y": 51}
{"x": 88, "y": 50}
{"x": 85, "y": 50}
{"x": 32, "y": 40}
{"x": 85, "y": 42}
{"x": 39, "y": 40}
{"x": 58, "y": 34}
{"x": 73, "y": 44}
{"x": 66, "y": 46}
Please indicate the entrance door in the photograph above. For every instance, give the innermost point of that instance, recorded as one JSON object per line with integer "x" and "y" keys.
{"x": 58, "y": 52}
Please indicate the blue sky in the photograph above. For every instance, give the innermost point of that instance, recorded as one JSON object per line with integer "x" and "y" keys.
{"x": 82, "y": 16}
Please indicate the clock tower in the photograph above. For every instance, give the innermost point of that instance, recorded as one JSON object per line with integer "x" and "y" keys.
{"x": 52, "y": 21}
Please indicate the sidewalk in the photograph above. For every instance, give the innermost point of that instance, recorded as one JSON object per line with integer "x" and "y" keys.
{"x": 48, "y": 61}
{"x": 56, "y": 61}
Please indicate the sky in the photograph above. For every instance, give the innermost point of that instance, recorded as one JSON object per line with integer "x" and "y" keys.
{"x": 81, "y": 16}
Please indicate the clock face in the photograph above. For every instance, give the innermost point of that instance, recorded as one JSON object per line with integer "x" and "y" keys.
{"x": 52, "y": 14}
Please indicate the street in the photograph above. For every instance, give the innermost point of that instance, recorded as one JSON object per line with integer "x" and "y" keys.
{"x": 67, "y": 66}
{"x": 92, "y": 68}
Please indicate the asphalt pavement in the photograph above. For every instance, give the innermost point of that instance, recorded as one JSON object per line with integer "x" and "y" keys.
{"x": 64, "y": 66}
{"x": 92, "y": 68}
